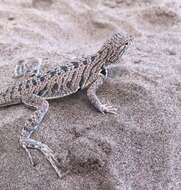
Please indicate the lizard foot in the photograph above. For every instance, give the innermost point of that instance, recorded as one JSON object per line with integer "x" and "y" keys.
{"x": 27, "y": 67}
{"x": 28, "y": 143}
{"x": 104, "y": 108}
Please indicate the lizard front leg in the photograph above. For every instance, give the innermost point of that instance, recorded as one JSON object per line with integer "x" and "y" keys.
{"x": 27, "y": 67}
{"x": 31, "y": 125}
{"x": 91, "y": 94}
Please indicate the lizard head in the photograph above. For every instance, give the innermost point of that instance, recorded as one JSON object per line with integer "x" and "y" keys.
{"x": 114, "y": 48}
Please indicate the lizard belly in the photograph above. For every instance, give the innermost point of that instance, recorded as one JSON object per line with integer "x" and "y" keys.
{"x": 58, "y": 95}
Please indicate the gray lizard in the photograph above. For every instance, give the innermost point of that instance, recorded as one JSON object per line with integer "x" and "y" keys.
{"x": 86, "y": 73}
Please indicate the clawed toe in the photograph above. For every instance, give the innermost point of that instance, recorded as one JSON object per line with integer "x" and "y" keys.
{"x": 27, "y": 143}
{"x": 50, "y": 156}
{"x": 29, "y": 155}
{"x": 108, "y": 109}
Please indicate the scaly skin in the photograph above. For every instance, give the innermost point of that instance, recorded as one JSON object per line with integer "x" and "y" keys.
{"x": 86, "y": 73}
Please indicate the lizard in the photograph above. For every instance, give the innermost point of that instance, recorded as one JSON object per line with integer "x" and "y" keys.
{"x": 37, "y": 88}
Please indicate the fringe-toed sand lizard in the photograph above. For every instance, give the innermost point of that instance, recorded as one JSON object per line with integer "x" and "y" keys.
{"x": 86, "y": 73}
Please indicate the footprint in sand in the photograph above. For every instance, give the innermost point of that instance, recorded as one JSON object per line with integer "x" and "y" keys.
{"x": 127, "y": 3}
{"x": 86, "y": 154}
{"x": 38, "y": 4}
{"x": 158, "y": 18}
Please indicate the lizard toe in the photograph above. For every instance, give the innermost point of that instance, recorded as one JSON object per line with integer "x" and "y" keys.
{"x": 108, "y": 109}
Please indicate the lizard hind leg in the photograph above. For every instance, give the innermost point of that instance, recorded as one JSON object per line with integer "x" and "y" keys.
{"x": 32, "y": 125}
{"x": 28, "y": 67}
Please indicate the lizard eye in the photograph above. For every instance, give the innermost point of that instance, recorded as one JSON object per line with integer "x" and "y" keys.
{"x": 126, "y": 43}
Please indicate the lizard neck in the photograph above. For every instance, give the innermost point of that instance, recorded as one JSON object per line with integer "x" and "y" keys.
{"x": 103, "y": 55}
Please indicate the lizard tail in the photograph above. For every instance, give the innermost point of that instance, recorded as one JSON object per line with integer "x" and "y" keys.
{"x": 6, "y": 97}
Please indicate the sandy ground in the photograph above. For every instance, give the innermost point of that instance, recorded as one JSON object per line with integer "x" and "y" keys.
{"x": 137, "y": 149}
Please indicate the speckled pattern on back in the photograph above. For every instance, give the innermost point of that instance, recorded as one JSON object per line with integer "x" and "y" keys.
{"x": 65, "y": 80}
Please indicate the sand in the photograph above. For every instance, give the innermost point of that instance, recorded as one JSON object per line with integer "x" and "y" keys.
{"x": 137, "y": 149}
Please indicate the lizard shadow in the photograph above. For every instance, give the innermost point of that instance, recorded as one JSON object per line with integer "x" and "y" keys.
{"x": 80, "y": 97}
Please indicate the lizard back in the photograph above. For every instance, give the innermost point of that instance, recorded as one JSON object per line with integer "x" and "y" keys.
{"x": 58, "y": 82}
{"x": 69, "y": 78}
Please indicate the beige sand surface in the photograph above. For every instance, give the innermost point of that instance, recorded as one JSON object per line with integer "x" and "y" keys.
{"x": 137, "y": 149}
